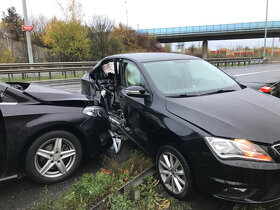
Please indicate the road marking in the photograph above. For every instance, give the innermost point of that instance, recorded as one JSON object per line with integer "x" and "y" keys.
{"x": 258, "y": 72}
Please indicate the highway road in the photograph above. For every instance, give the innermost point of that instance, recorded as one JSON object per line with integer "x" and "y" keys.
{"x": 24, "y": 193}
{"x": 256, "y": 75}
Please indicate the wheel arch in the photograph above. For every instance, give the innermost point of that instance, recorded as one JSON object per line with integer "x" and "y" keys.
{"x": 165, "y": 137}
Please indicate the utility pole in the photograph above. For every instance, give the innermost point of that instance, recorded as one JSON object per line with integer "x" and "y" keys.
{"x": 265, "y": 30}
{"x": 28, "y": 40}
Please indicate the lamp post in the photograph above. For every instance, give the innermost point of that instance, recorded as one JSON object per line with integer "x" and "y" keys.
{"x": 126, "y": 11}
{"x": 28, "y": 40}
{"x": 265, "y": 30}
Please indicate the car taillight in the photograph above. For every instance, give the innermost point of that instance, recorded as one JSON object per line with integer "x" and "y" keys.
{"x": 266, "y": 89}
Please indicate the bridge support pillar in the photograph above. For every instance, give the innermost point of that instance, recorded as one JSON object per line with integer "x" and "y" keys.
{"x": 204, "y": 49}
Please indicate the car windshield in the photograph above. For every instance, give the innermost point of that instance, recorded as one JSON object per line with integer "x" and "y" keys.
{"x": 189, "y": 78}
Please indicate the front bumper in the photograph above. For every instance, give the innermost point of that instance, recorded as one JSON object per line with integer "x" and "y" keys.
{"x": 236, "y": 180}
{"x": 98, "y": 139}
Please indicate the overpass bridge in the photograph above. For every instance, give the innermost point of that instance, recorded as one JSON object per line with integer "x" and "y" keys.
{"x": 204, "y": 33}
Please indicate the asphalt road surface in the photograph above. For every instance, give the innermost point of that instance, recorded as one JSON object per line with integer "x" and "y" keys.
{"x": 24, "y": 193}
{"x": 256, "y": 75}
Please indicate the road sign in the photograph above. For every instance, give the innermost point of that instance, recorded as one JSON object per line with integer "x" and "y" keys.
{"x": 26, "y": 28}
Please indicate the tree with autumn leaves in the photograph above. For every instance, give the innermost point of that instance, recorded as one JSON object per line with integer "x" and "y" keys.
{"x": 72, "y": 40}
{"x": 69, "y": 40}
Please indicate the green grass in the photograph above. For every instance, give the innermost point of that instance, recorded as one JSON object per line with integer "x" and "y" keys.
{"x": 152, "y": 196}
{"x": 36, "y": 78}
{"x": 92, "y": 188}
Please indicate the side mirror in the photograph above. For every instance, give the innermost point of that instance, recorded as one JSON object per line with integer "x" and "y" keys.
{"x": 136, "y": 91}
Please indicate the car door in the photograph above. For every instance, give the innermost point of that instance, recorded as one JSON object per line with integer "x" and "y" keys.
{"x": 5, "y": 102}
{"x": 135, "y": 109}
{"x": 2, "y": 135}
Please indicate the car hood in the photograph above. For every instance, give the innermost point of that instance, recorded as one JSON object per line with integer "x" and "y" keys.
{"x": 246, "y": 113}
{"x": 48, "y": 94}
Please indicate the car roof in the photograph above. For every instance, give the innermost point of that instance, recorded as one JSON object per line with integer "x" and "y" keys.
{"x": 148, "y": 57}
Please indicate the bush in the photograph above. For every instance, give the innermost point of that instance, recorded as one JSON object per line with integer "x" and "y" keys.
{"x": 6, "y": 56}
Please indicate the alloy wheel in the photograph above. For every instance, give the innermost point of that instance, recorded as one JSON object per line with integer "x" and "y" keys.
{"x": 172, "y": 173}
{"x": 55, "y": 157}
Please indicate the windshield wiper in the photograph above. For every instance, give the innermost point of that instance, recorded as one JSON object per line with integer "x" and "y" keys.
{"x": 182, "y": 95}
{"x": 203, "y": 94}
{"x": 219, "y": 91}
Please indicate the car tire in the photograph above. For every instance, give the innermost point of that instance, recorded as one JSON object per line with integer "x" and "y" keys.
{"x": 53, "y": 156}
{"x": 174, "y": 172}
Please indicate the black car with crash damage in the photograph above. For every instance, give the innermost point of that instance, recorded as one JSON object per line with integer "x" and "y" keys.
{"x": 204, "y": 129}
{"x": 46, "y": 132}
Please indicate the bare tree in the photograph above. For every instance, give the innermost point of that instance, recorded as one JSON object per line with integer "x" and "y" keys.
{"x": 72, "y": 10}
{"x": 101, "y": 28}
{"x": 39, "y": 24}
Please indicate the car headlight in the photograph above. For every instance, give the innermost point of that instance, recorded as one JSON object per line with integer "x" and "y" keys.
{"x": 95, "y": 111}
{"x": 237, "y": 148}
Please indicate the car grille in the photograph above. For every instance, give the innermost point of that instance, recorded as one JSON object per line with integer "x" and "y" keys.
{"x": 276, "y": 147}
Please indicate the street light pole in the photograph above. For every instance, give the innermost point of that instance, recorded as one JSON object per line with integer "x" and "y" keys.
{"x": 28, "y": 40}
{"x": 265, "y": 31}
{"x": 126, "y": 14}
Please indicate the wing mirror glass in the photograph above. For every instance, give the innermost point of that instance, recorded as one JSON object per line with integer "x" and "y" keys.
{"x": 136, "y": 91}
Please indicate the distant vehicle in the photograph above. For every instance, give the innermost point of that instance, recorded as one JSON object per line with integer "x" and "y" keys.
{"x": 46, "y": 132}
{"x": 204, "y": 129}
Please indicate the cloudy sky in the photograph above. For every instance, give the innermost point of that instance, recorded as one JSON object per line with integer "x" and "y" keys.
{"x": 165, "y": 13}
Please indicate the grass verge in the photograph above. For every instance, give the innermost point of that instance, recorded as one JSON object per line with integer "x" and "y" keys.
{"x": 151, "y": 195}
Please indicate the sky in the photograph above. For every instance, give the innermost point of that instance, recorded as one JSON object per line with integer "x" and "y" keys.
{"x": 165, "y": 13}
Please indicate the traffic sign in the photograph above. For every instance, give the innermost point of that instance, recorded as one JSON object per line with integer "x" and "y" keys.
{"x": 26, "y": 28}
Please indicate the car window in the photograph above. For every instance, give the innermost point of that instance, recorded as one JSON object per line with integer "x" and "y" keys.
{"x": 105, "y": 71}
{"x": 188, "y": 77}
{"x": 5, "y": 98}
{"x": 131, "y": 75}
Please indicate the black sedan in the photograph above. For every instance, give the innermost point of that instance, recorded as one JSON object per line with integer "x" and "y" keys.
{"x": 46, "y": 132}
{"x": 205, "y": 130}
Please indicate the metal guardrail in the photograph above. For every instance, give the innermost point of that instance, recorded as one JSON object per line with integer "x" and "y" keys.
{"x": 221, "y": 28}
{"x": 64, "y": 67}
{"x": 237, "y": 61}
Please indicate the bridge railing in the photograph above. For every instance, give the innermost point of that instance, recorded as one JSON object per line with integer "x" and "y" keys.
{"x": 251, "y": 26}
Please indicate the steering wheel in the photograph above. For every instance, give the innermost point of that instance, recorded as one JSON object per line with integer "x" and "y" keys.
{"x": 19, "y": 87}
